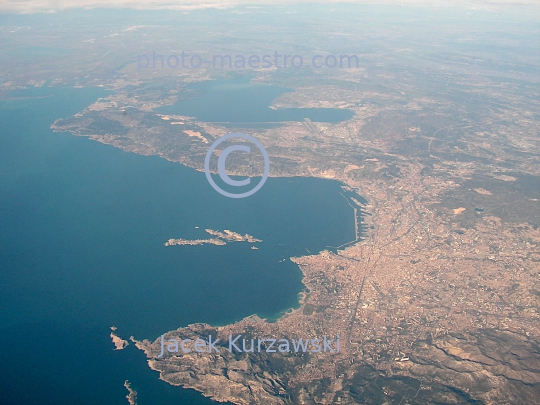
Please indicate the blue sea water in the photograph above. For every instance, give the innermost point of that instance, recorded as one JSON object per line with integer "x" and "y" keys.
{"x": 82, "y": 228}
{"x": 240, "y": 101}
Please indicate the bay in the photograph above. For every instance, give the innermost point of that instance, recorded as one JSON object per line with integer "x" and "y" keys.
{"x": 239, "y": 101}
{"x": 82, "y": 228}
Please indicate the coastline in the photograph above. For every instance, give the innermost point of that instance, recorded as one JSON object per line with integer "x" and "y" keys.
{"x": 214, "y": 385}
{"x": 208, "y": 384}
{"x": 390, "y": 295}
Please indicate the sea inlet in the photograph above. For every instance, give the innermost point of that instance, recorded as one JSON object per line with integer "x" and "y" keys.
{"x": 82, "y": 232}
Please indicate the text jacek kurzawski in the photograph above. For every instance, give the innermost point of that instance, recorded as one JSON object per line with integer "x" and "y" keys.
{"x": 239, "y": 344}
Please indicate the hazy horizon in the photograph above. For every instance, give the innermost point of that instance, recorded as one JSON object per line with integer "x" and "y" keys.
{"x": 51, "y": 6}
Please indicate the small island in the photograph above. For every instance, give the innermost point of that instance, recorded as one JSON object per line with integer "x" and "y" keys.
{"x": 132, "y": 394}
{"x": 221, "y": 238}
{"x": 213, "y": 241}
{"x": 118, "y": 342}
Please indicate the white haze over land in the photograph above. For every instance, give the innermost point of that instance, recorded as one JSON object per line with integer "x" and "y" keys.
{"x": 51, "y": 6}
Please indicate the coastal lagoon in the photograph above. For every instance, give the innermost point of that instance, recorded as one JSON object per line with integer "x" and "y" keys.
{"x": 82, "y": 233}
{"x": 238, "y": 101}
